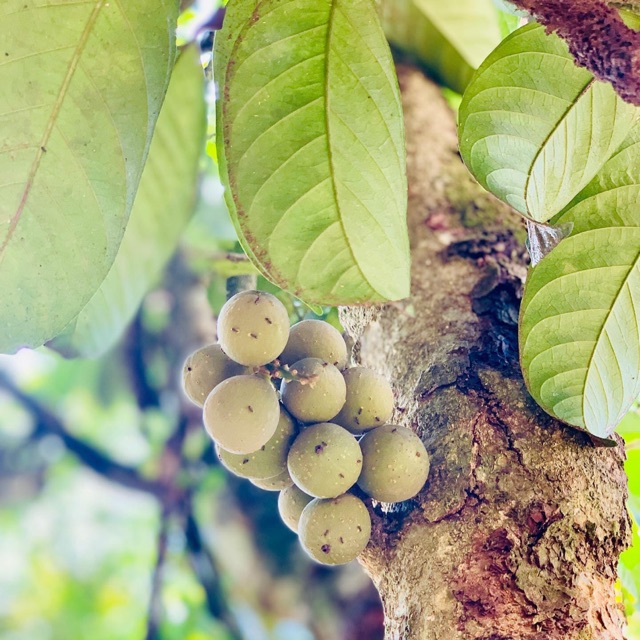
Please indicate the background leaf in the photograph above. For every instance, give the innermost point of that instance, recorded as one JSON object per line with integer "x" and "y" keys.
{"x": 311, "y": 147}
{"x": 81, "y": 86}
{"x": 451, "y": 38}
{"x": 579, "y": 329}
{"x": 163, "y": 206}
{"x": 534, "y": 128}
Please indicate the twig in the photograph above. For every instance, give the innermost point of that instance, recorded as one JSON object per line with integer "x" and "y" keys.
{"x": 146, "y": 395}
{"x": 207, "y": 572}
{"x": 48, "y": 423}
{"x": 236, "y": 284}
{"x": 154, "y": 618}
{"x": 215, "y": 22}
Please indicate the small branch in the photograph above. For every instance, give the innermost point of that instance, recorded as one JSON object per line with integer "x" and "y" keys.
{"x": 215, "y": 22}
{"x": 154, "y": 618}
{"x": 598, "y": 39}
{"x": 236, "y": 284}
{"x": 48, "y": 423}
{"x": 146, "y": 395}
{"x": 207, "y": 572}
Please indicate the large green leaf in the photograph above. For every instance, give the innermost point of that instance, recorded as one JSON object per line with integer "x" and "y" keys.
{"x": 81, "y": 86}
{"x": 612, "y": 198}
{"x": 163, "y": 206}
{"x": 535, "y": 128}
{"x": 311, "y": 147}
{"x": 580, "y": 330}
{"x": 451, "y": 38}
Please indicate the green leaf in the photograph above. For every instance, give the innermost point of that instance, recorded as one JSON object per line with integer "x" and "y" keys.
{"x": 81, "y": 86}
{"x": 630, "y": 18}
{"x": 311, "y": 147}
{"x": 228, "y": 267}
{"x": 611, "y": 198}
{"x": 451, "y": 38}
{"x": 579, "y": 329}
{"x": 535, "y": 128}
{"x": 163, "y": 206}
{"x": 629, "y": 566}
{"x": 629, "y": 429}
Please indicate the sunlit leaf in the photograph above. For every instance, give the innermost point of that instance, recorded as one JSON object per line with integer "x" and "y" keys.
{"x": 535, "y": 128}
{"x": 451, "y": 38}
{"x": 579, "y": 329}
{"x": 311, "y": 147}
{"x": 629, "y": 567}
{"x": 81, "y": 84}
{"x": 163, "y": 206}
{"x": 612, "y": 197}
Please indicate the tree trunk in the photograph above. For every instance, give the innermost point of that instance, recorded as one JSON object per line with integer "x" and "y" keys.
{"x": 518, "y": 531}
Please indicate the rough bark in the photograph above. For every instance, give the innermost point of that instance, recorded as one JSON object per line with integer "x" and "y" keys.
{"x": 519, "y": 528}
{"x": 597, "y": 37}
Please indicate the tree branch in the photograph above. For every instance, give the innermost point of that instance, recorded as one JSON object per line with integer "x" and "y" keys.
{"x": 133, "y": 349}
{"x": 154, "y": 617}
{"x": 598, "y": 39}
{"x": 48, "y": 423}
{"x": 207, "y": 572}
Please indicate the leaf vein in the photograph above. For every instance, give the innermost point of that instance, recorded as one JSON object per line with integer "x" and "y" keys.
{"x": 13, "y": 223}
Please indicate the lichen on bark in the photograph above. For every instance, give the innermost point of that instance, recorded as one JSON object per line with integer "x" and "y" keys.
{"x": 519, "y": 528}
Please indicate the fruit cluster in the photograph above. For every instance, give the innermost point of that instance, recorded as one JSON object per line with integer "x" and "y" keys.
{"x": 323, "y": 434}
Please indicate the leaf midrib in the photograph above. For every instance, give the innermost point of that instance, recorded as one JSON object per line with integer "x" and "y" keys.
{"x": 548, "y": 137}
{"x": 332, "y": 171}
{"x": 623, "y": 285}
{"x": 57, "y": 106}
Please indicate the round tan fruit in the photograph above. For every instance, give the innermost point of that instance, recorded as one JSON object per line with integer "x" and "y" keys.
{"x": 241, "y": 414}
{"x": 253, "y": 328}
{"x": 396, "y": 464}
{"x": 335, "y": 531}
{"x": 205, "y": 369}
{"x": 318, "y": 395}
{"x": 280, "y": 482}
{"x": 269, "y": 460}
{"x": 291, "y": 502}
{"x": 369, "y": 402}
{"x": 325, "y": 460}
{"x": 315, "y": 339}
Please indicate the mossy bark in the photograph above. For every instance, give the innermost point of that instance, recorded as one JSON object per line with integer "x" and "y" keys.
{"x": 518, "y": 531}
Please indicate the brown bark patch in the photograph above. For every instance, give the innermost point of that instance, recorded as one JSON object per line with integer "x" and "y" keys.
{"x": 598, "y": 39}
{"x": 487, "y": 588}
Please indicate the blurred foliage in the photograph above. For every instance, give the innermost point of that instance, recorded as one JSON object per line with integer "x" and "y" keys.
{"x": 116, "y": 522}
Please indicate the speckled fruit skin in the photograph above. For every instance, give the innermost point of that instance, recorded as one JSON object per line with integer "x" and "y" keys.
{"x": 205, "y": 369}
{"x": 253, "y": 328}
{"x": 278, "y": 483}
{"x": 241, "y": 414}
{"x": 269, "y": 460}
{"x": 325, "y": 460}
{"x": 335, "y": 531}
{"x": 315, "y": 339}
{"x": 291, "y": 502}
{"x": 396, "y": 464}
{"x": 318, "y": 400}
{"x": 369, "y": 401}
